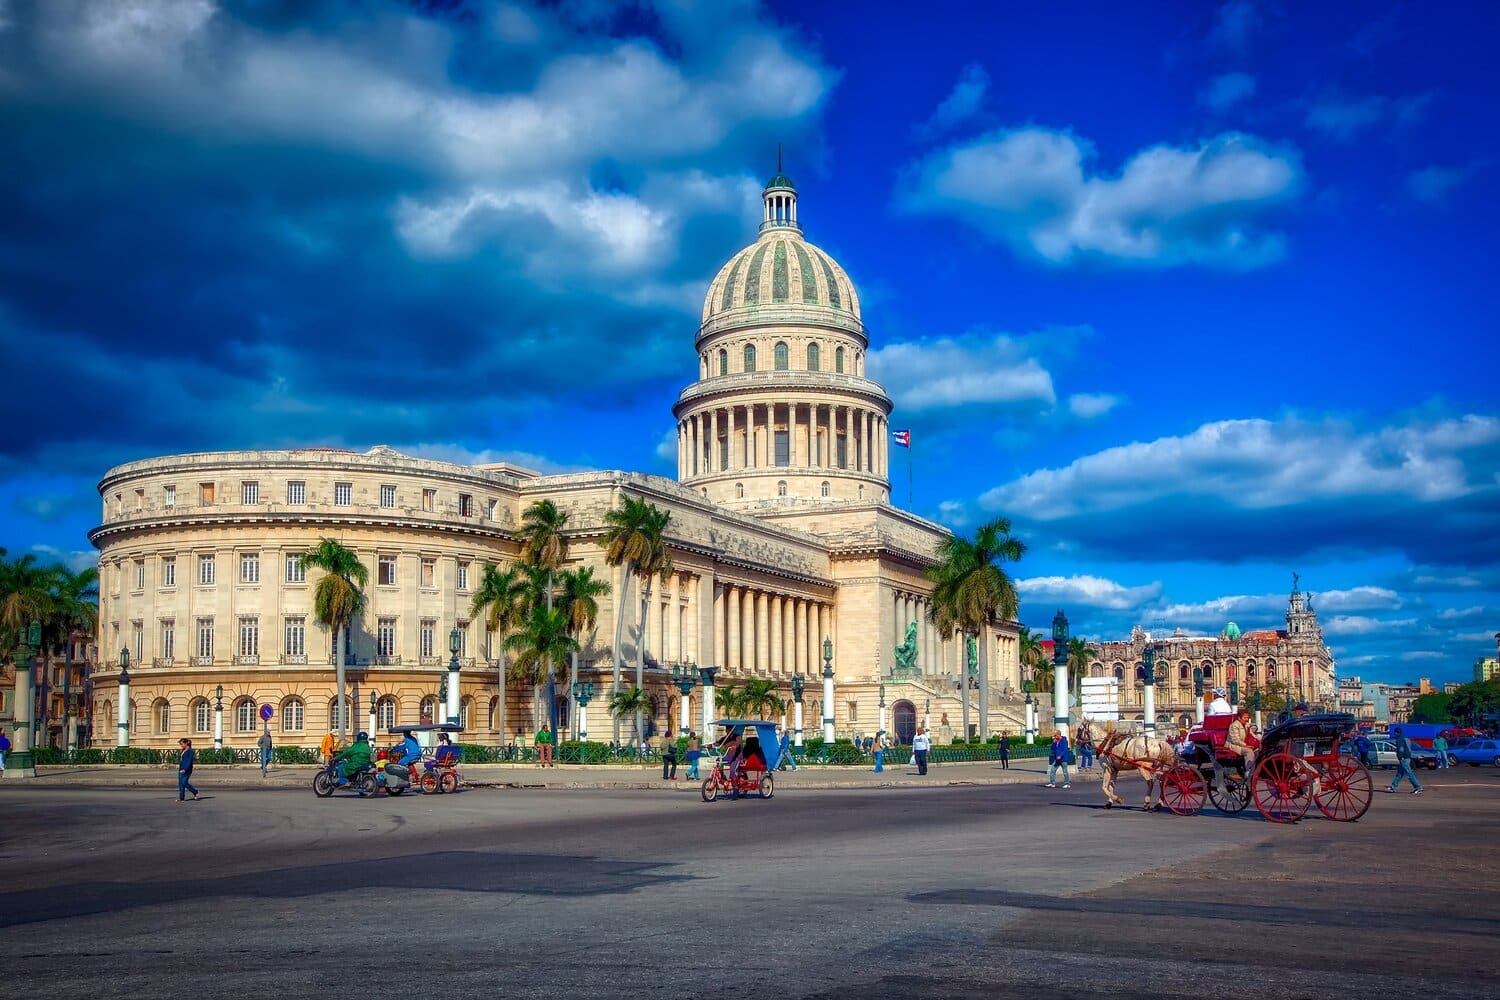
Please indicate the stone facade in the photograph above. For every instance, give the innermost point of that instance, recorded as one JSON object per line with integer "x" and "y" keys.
{"x": 781, "y": 536}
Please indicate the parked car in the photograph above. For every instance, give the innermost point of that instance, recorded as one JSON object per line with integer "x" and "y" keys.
{"x": 1476, "y": 752}
{"x": 1385, "y": 754}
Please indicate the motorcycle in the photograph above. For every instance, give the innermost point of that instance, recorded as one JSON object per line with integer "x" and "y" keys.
{"x": 394, "y": 777}
{"x": 326, "y": 781}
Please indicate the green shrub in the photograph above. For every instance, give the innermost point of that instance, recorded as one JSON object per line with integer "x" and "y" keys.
{"x": 220, "y": 755}
{"x": 139, "y": 755}
{"x": 294, "y": 755}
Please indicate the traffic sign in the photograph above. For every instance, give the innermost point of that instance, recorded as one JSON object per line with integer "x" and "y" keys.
{"x": 266, "y": 712}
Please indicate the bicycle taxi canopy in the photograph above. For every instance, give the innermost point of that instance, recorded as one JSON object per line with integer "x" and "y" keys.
{"x": 764, "y": 732}
{"x": 424, "y": 733}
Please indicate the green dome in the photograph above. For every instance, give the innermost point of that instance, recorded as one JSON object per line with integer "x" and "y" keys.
{"x": 1232, "y": 631}
{"x": 781, "y": 182}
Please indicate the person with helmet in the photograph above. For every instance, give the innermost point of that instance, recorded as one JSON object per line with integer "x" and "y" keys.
{"x": 353, "y": 758}
{"x": 1220, "y": 705}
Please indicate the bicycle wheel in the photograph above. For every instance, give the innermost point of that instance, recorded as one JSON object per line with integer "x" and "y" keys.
{"x": 710, "y": 789}
{"x": 1343, "y": 794}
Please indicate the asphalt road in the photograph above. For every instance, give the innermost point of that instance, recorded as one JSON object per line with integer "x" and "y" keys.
{"x": 890, "y": 892}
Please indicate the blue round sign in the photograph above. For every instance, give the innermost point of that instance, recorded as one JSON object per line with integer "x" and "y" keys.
{"x": 266, "y": 712}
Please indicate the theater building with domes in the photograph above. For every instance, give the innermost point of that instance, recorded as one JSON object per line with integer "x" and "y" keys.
{"x": 782, "y": 535}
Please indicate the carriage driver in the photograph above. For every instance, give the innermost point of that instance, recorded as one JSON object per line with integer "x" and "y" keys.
{"x": 1238, "y": 739}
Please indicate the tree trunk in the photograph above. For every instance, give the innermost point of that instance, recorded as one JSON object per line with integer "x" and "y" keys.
{"x": 640, "y": 652}
{"x": 340, "y": 640}
{"x": 500, "y": 705}
{"x": 984, "y": 684}
{"x": 620, "y": 635}
{"x": 963, "y": 660}
{"x": 67, "y": 689}
{"x": 552, "y": 719}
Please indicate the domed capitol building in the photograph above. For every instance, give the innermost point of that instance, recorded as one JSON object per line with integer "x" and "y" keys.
{"x": 782, "y": 536}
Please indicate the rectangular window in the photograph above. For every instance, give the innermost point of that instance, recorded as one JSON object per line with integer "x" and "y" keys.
{"x": 140, "y": 500}
{"x": 429, "y": 634}
{"x": 169, "y": 496}
{"x": 489, "y": 510}
{"x": 249, "y": 493}
{"x": 296, "y": 637}
{"x": 295, "y": 571}
{"x": 724, "y": 452}
{"x": 206, "y": 570}
{"x": 205, "y": 638}
{"x": 140, "y": 574}
{"x": 206, "y": 494}
{"x": 853, "y": 711}
{"x": 463, "y": 638}
{"x": 168, "y": 639}
{"x": 249, "y": 567}
{"x": 296, "y": 492}
{"x": 138, "y": 641}
{"x": 463, "y": 576}
{"x": 783, "y": 448}
{"x": 343, "y": 494}
{"x": 465, "y": 505}
{"x": 169, "y": 571}
{"x": 429, "y": 500}
{"x": 387, "y": 496}
{"x": 385, "y": 637}
{"x": 429, "y": 572}
{"x": 250, "y": 637}
{"x": 386, "y": 571}
{"x": 843, "y": 451}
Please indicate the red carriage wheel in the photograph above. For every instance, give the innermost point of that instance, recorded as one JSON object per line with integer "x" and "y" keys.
{"x": 1344, "y": 790}
{"x": 448, "y": 782}
{"x": 1282, "y": 788}
{"x": 429, "y": 782}
{"x": 1183, "y": 790}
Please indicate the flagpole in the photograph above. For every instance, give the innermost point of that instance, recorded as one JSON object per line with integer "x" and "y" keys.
{"x": 910, "y": 504}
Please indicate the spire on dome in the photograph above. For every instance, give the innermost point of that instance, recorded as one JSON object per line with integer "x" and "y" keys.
{"x": 780, "y": 198}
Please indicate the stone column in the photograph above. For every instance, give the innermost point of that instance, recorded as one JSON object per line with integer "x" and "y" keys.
{"x": 712, "y": 463}
{"x": 732, "y": 631}
{"x": 762, "y": 633}
{"x": 721, "y": 602}
{"x": 799, "y": 635}
{"x": 775, "y": 635}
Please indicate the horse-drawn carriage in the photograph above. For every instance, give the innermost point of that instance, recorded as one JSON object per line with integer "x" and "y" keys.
{"x": 1297, "y": 764}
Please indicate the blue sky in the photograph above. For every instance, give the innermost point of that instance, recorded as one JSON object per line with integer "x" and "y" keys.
{"x": 1197, "y": 294}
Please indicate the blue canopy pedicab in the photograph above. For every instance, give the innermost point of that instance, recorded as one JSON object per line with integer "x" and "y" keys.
{"x": 751, "y": 751}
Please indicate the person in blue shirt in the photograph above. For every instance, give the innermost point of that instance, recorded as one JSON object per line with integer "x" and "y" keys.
{"x": 1058, "y": 758}
{"x": 785, "y": 751}
{"x": 1403, "y": 766}
{"x": 185, "y": 770}
{"x": 409, "y": 752}
{"x": 1366, "y": 750}
{"x": 447, "y": 753}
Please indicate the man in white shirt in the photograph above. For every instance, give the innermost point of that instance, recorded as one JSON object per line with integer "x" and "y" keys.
{"x": 920, "y": 744}
{"x": 1220, "y": 705}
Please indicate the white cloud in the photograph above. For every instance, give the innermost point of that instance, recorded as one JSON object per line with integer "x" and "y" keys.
{"x": 1264, "y": 464}
{"x": 1363, "y": 598}
{"x": 75, "y": 559}
{"x": 1253, "y": 609}
{"x": 995, "y": 370}
{"x": 1088, "y": 405}
{"x": 953, "y": 513}
{"x": 963, "y": 104}
{"x": 1035, "y": 189}
{"x": 666, "y": 448}
{"x": 1344, "y": 625}
{"x": 1343, "y": 117}
{"x": 460, "y": 455}
{"x": 1422, "y": 654}
{"x": 1090, "y": 591}
{"x": 1226, "y": 90}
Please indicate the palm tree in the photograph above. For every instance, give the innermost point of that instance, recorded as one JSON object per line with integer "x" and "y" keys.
{"x": 25, "y": 596}
{"x": 633, "y": 702}
{"x": 760, "y": 697}
{"x": 544, "y": 548}
{"x": 970, "y": 590}
{"x": 636, "y": 539}
{"x": 502, "y": 600}
{"x": 337, "y": 601}
{"x": 578, "y": 598}
{"x": 1079, "y": 656}
{"x": 542, "y": 645}
{"x": 1033, "y": 656}
{"x": 77, "y": 610}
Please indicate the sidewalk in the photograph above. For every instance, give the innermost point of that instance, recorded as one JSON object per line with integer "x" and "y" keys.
{"x": 576, "y": 776}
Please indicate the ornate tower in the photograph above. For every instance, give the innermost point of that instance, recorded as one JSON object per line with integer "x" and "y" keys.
{"x": 1301, "y": 619}
{"x": 782, "y": 413}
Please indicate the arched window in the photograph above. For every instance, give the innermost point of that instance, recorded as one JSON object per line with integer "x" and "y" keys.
{"x": 749, "y": 357}
{"x": 1140, "y": 673}
{"x": 1270, "y": 672}
{"x": 333, "y": 716}
{"x": 1249, "y": 670}
{"x": 385, "y": 713}
{"x": 1119, "y": 672}
{"x": 162, "y": 709}
{"x": 1297, "y": 669}
{"x": 861, "y": 491}
{"x": 494, "y": 714}
{"x": 782, "y": 356}
{"x": 825, "y": 489}
{"x": 739, "y": 491}
{"x": 838, "y": 359}
{"x": 1208, "y": 671}
{"x": 1097, "y": 670}
{"x": 428, "y": 711}
{"x": 723, "y": 362}
{"x": 244, "y": 715}
{"x": 202, "y": 715}
{"x": 292, "y": 715}
{"x": 1184, "y": 673}
{"x": 814, "y": 357}
{"x": 781, "y": 488}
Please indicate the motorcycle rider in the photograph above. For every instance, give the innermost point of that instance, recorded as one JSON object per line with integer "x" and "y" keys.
{"x": 409, "y": 752}
{"x": 353, "y": 758}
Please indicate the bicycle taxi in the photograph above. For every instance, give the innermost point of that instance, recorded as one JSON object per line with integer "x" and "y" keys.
{"x": 759, "y": 755}
{"x": 433, "y": 775}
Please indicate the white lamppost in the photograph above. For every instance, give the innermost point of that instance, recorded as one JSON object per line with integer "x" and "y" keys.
{"x": 706, "y": 674}
{"x": 828, "y": 690}
{"x": 1149, "y": 693}
{"x": 797, "y": 690}
{"x": 1060, "y": 672}
{"x": 219, "y": 717}
{"x": 454, "y": 637}
{"x": 122, "y": 729}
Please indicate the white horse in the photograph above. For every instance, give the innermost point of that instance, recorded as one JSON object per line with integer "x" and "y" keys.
{"x": 1147, "y": 755}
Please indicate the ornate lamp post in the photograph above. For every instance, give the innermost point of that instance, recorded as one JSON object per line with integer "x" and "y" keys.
{"x": 1148, "y": 694}
{"x": 22, "y": 764}
{"x": 1198, "y": 695}
{"x": 583, "y": 693}
{"x": 1255, "y": 706}
{"x": 1028, "y": 685}
{"x": 1234, "y": 694}
{"x": 798, "y": 686}
{"x": 686, "y": 678}
{"x": 706, "y": 674}
{"x": 218, "y": 716}
{"x": 880, "y": 728}
{"x": 454, "y": 638}
{"x": 828, "y": 690}
{"x": 374, "y": 702}
{"x": 1060, "y": 672}
{"x": 122, "y": 730}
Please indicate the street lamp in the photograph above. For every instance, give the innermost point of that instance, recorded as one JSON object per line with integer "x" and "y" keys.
{"x": 583, "y": 693}
{"x": 686, "y": 678}
{"x": 21, "y": 763}
{"x": 218, "y": 716}
{"x": 455, "y": 637}
{"x": 1148, "y": 693}
{"x": 1198, "y": 695}
{"x": 122, "y": 730}
{"x": 1060, "y": 672}
{"x": 799, "y": 685}
{"x": 828, "y": 690}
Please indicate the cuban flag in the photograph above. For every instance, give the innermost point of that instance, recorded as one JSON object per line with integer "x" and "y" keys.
{"x": 903, "y": 438}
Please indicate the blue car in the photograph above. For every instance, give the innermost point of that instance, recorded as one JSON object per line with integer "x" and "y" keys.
{"x": 1475, "y": 753}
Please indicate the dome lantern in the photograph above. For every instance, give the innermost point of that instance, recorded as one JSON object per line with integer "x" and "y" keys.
{"x": 780, "y": 199}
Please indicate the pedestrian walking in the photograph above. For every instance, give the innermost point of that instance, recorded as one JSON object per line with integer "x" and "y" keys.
{"x": 185, "y": 770}
{"x": 1440, "y": 745}
{"x": 264, "y": 745}
{"x": 328, "y": 747}
{"x": 1366, "y": 749}
{"x": 920, "y": 745}
{"x": 1085, "y": 749}
{"x": 878, "y": 748}
{"x": 543, "y": 744}
{"x": 669, "y": 760}
{"x": 4, "y": 749}
{"x": 1059, "y": 757}
{"x": 694, "y": 755}
{"x": 788, "y": 762}
{"x": 1403, "y": 766}
{"x": 1005, "y": 751}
